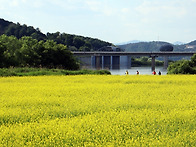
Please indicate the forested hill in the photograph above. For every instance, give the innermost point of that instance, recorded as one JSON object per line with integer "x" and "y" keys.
{"x": 17, "y": 30}
{"x": 155, "y": 46}
{"x": 73, "y": 42}
{"x": 143, "y": 46}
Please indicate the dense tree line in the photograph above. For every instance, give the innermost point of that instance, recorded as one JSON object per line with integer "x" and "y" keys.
{"x": 144, "y": 61}
{"x": 77, "y": 43}
{"x": 73, "y": 42}
{"x": 183, "y": 66}
{"x": 29, "y": 52}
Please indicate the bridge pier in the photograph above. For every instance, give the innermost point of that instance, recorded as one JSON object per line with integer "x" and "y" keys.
{"x": 115, "y": 62}
{"x": 92, "y": 62}
{"x": 153, "y": 56}
{"x": 128, "y": 62}
{"x": 106, "y": 59}
{"x": 125, "y": 62}
{"x": 98, "y": 62}
{"x": 153, "y": 63}
{"x": 105, "y": 62}
{"x": 165, "y": 62}
{"x": 111, "y": 61}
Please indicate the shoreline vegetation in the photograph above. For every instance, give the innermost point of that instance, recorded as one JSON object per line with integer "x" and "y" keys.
{"x": 25, "y": 71}
{"x": 144, "y": 61}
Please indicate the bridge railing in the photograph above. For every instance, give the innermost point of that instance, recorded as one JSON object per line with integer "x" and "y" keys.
{"x": 102, "y": 53}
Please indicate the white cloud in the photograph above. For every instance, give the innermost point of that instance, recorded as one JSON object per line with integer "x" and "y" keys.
{"x": 37, "y": 3}
{"x": 16, "y": 3}
{"x": 101, "y": 7}
{"x": 127, "y": 18}
{"x": 151, "y": 18}
{"x": 162, "y": 10}
{"x": 94, "y": 5}
{"x": 67, "y": 4}
{"x": 125, "y": 10}
{"x": 20, "y": 3}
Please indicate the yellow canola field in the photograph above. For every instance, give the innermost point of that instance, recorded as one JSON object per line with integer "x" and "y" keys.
{"x": 94, "y": 110}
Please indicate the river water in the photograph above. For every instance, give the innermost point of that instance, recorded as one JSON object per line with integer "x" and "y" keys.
{"x": 142, "y": 71}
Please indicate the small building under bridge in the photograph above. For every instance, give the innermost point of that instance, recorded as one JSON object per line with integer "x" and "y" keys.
{"x": 122, "y": 60}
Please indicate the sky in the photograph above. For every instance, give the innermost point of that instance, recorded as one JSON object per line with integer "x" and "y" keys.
{"x": 114, "y": 21}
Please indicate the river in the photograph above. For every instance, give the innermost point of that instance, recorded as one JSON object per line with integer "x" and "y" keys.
{"x": 142, "y": 71}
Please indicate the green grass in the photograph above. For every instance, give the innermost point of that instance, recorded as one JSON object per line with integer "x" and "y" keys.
{"x": 5, "y": 72}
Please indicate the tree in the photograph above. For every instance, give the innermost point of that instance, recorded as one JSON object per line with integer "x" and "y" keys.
{"x": 87, "y": 46}
{"x": 69, "y": 40}
{"x": 2, "y": 58}
{"x": 78, "y": 42}
{"x": 10, "y": 30}
{"x": 54, "y": 36}
{"x": 72, "y": 48}
{"x": 28, "y": 54}
{"x": 193, "y": 60}
{"x": 33, "y": 53}
{"x": 57, "y": 56}
{"x": 144, "y": 59}
{"x": 183, "y": 66}
{"x": 12, "y": 46}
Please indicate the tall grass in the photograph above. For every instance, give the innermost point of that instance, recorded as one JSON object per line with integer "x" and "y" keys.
{"x": 44, "y": 71}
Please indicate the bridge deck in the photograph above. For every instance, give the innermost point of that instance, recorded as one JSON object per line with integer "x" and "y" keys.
{"x": 134, "y": 53}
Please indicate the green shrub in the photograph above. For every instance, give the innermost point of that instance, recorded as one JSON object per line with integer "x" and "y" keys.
{"x": 44, "y": 71}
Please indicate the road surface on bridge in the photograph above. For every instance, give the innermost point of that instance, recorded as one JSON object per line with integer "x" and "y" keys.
{"x": 102, "y": 53}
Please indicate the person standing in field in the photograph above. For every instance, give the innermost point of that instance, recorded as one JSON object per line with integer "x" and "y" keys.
{"x": 159, "y": 73}
{"x": 154, "y": 72}
{"x": 126, "y": 72}
{"x": 137, "y": 72}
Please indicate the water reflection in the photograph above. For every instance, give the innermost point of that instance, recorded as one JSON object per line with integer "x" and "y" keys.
{"x": 141, "y": 70}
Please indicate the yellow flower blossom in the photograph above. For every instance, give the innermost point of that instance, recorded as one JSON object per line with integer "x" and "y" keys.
{"x": 95, "y": 110}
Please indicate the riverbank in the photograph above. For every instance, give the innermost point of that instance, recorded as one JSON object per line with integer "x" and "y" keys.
{"x": 5, "y": 72}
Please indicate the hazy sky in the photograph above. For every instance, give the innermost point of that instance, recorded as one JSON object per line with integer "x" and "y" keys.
{"x": 109, "y": 20}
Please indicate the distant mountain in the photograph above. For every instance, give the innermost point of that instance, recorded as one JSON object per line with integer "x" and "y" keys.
{"x": 143, "y": 46}
{"x": 155, "y": 46}
{"x": 192, "y": 43}
{"x": 74, "y": 42}
{"x": 128, "y": 42}
{"x": 178, "y": 43}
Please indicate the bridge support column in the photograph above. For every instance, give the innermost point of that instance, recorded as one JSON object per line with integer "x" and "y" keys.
{"x": 102, "y": 62}
{"x": 111, "y": 62}
{"x": 153, "y": 63}
{"x": 98, "y": 62}
{"x": 115, "y": 62}
{"x": 165, "y": 62}
{"x": 92, "y": 62}
{"x": 128, "y": 62}
{"x": 125, "y": 62}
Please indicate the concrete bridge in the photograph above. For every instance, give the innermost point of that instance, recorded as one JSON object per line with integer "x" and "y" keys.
{"x": 114, "y": 60}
